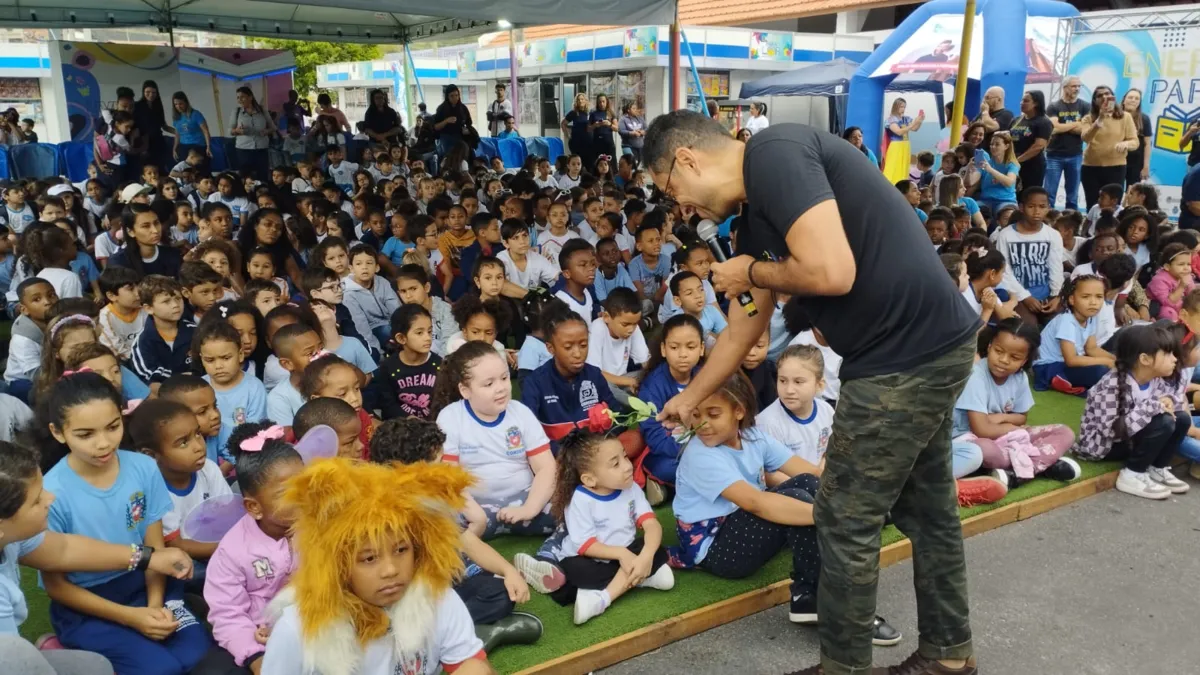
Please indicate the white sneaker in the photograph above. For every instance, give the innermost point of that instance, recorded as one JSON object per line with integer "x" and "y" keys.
{"x": 1140, "y": 485}
{"x": 1000, "y": 475}
{"x": 1167, "y": 479}
{"x": 588, "y": 605}
{"x": 662, "y": 580}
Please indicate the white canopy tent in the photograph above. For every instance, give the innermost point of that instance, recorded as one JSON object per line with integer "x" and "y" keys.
{"x": 366, "y": 21}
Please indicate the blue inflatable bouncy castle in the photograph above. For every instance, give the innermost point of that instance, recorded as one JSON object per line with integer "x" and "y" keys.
{"x": 1013, "y": 43}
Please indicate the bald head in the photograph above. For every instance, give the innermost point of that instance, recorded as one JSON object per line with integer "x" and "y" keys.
{"x": 994, "y": 97}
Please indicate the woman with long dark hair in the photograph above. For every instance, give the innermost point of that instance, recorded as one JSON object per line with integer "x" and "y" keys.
{"x": 1137, "y": 162}
{"x": 603, "y": 122}
{"x": 191, "y": 130}
{"x": 451, "y": 120}
{"x": 150, "y": 120}
{"x": 383, "y": 122}
{"x": 1031, "y": 133}
{"x": 252, "y": 131}
{"x": 1110, "y": 135}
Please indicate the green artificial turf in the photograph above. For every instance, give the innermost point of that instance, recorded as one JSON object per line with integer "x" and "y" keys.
{"x": 641, "y": 608}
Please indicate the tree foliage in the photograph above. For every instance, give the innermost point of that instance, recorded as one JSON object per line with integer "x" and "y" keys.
{"x": 311, "y": 54}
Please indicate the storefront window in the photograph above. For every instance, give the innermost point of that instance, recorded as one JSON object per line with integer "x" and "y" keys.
{"x": 715, "y": 85}
{"x": 529, "y": 112}
{"x": 631, "y": 88}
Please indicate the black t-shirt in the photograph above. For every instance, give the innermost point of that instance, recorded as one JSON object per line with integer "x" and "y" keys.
{"x": 903, "y": 310}
{"x": 407, "y": 390}
{"x": 1067, "y": 145}
{"x": 1145, "y": 128}
{"x": 1003, "y": 117}
{"x": 166, "y": 262}
{"x": 1027, "y": 130}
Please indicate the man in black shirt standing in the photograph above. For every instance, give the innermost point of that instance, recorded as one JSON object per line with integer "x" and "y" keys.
{"x": 993, "y": 115}
{"x": 1064, "y": 154}
{"x": 853, "y": 249}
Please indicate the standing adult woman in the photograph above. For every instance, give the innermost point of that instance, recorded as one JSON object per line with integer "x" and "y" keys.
{"x": 252, "y": 131}
{"x": 853, "y": 136}
{"x": 579, "y": 132}
{"x": 1110, "y": 135}
{"x": 898, "y": 159}
{"x": 150, "y": 119}
{"x": 758, "y": 118}
{"x": 633, "y": 130}
{"x": 191, "y": 130}
{"x": 450, "y": 120}
{"x": 1031, "y": 133}
{"x": 10, "y": 128}
{"x": 1137, "y": 162}
{"x": 603, "y": 122}
{"x": 999, "y": 184}
{"x": 383, "y": 122}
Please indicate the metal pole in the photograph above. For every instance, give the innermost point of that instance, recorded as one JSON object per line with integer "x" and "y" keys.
{"x": 512, "y": 76}
{"x": 673, "y": 65}
{"x": 695, "y": 73}
{"x": 416, "y": 80}
{"x": 960, "y": 84}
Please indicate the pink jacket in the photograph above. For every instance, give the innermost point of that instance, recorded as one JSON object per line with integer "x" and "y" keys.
{"x": 244, "y": 574}
{"x": 1160, "y": 288}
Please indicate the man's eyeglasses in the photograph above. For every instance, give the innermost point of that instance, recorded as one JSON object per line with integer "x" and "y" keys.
{"x": 668, "y": 200}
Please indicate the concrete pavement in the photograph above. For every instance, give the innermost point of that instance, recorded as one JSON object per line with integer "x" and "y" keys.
{"x": 1105, "y": 586}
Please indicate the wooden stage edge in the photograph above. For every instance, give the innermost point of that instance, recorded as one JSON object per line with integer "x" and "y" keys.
{"x": 699, "y": 620}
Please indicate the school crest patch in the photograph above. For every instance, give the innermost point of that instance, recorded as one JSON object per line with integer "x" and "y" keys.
{"x": 135, "y": 511}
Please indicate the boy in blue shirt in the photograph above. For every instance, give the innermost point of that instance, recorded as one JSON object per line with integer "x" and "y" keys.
{"x": 510, "y": 128}
{"x": 689, "y": 293}
{"x": 650, "y": 269}
{"x": 611, "y": 273}
{"x": 340, "y": 172}
{"x": 164, "y": 347}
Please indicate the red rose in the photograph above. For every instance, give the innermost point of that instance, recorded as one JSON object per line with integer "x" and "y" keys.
{"x": 598, "y": 420}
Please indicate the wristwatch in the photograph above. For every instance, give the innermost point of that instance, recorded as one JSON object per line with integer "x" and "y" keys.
{"x": 143, "y": 562}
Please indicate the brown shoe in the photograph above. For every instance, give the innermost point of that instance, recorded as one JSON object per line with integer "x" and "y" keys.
{"x": 919, "y": 665}
{"x": 817, "y": 670}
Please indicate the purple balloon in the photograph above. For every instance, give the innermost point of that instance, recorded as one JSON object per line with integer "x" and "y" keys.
{"x": 209, "y": 520}
{"x": 320, "y": 442}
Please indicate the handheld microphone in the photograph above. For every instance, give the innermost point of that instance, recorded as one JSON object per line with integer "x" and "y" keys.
{"x": 707, "y": 230}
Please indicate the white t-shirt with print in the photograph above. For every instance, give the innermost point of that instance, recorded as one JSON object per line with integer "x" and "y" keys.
{"x": 612, "y": 355}
{"x": 612, "y": 519}
{"x": 207, "y": 483}
{"x": 806, "y": 438}
{"x": 342, "y": 174}
{"x": 550, "y": 245}
{"x": 451, "y": 642}
{"x": 497, "y": 453}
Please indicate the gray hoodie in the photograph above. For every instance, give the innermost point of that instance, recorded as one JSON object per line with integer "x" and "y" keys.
{"x": 444, "y": 324}
{"x": 371, "y": 307}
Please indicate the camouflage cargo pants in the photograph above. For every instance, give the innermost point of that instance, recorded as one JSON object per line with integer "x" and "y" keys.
{"x": 890, "y": 451}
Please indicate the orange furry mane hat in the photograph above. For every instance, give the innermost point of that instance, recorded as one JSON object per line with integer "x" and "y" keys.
{"x": 342, "y": 505}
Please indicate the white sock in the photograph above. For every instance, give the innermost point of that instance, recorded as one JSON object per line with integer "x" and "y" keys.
{"x": 590, "y": 604}
{"x": 662, "y": 580}
{"x": 605, "y": 598}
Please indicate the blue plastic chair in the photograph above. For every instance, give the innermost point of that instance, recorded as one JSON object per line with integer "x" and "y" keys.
{"x": 34, "y": 160}
{"x": 74, "y": 158}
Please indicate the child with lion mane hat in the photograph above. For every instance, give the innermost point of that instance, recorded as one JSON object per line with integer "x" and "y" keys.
{"x": 372, "y": 595}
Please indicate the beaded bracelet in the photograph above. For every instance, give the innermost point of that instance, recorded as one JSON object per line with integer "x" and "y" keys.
{"x": 135, "y": 556}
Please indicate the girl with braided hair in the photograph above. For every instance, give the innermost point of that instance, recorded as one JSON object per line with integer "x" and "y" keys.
{"x": 1136, "y": 414}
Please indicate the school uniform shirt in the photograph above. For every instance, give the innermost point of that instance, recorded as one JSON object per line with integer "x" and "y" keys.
{"x": 13, "y": 608}
{"x": 85, "y": 268}
{"x": 239, "y": 207}
{"x": 604, "y": 285}
{"x": 166, "y": 260}
{"x": 65, "y": 282}
{"x": 246, "y": 402}
{"x": 547, "y": 182}
{"x": 538, "y": 271}
{"x": 532, "y": 354}
{"x": 18, "y": 220}
{"x": 972, "y": 301}
{"x": 379, "y": 175}
{"x": 120, "y": 514}
{"x": 283, "y": 401}
{"x": 351, "y": 350}
{"x": 1036, "y": 260}
{"x": 247, "y": 570}
{"x": 24, "y": 350}
{"x": 1106, "y": 322}
{"x": 206, "y": 483}
{"x": 273, "y": 373}
{"x": 1064, "y": 327}
{"x": 457, "y": 340}
{"x": 342, "y": 175}
{"x": 550, "y": 245}
{"x": 189, "y": 236}
{"x": 586, "y": 309}
{"x": 983, "y": 394}
{"x": 394, "y": 249}
{"x": 611, "y": 520}
{"x": 408, "y": 390}
{"x": 451, "y": 642}
{"x": 612, "y": 355}
{"x": 713, "y": 322}
{"x": 805, "y": 437}
{"x": 669, "y": 307}
{"x": 106, "y": 246}
{"x": 651, "y": 277}
{"x": 497, "y": 453}
{"x": 154, "y": 359}
{"x": 565, "y": 182}
{"x": 704, "y": 473}
{"x": 833, "y": 365}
